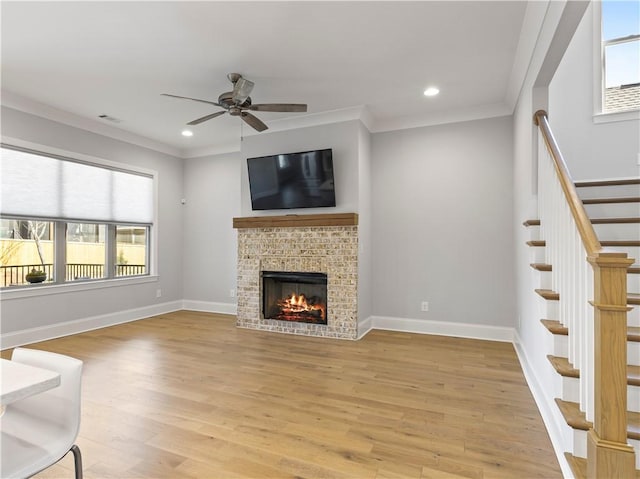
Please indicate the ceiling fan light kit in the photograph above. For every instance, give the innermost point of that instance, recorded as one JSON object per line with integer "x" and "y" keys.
{"x": 238, "y": 101}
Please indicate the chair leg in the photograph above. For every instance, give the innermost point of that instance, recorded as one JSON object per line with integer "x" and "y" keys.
{"x": 77, "y": 460}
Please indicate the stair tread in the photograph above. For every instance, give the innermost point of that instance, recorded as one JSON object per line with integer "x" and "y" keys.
{"x": 566, "y": 369}
{"x": 548, "y": 294}
{"x": 604, "y": 221}
{"x": 537, "y": 243}
{"x": 532, "y": 222}
{"x": 633, "y": 298}
{"x": 602, "y": 242}
{"x": 563, "y": 366}
{"x": 555, "y": 327}
{"x": 621, "y": 182}
{"x": 579, "y": 466}
{"x": 633, "y": 270}
{"x": 620, "y": 243}
{"x": 577, "y": 420}
{"x": 597, "y": 201}
{"x": 541, "y": 266}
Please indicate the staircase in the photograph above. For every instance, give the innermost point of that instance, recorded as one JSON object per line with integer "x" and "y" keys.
{"x": 582, "y": 304}
{"x": 615, "y": 214}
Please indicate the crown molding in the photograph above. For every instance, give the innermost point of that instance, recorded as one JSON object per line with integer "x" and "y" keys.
{"x": 291, "y": 123}
{"x": 26, "y": 105}
{"x": 441, "y": 118}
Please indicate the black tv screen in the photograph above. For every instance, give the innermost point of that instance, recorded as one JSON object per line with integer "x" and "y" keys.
{"x": 292, "y": 180}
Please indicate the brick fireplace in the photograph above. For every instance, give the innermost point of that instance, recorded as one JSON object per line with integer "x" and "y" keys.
{"x": 300, "y": 243}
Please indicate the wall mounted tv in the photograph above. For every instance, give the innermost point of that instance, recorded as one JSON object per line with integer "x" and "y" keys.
{"x": 292, "y": 180}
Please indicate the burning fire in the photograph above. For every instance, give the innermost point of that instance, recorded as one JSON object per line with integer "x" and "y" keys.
{"x": 297, "y": 304}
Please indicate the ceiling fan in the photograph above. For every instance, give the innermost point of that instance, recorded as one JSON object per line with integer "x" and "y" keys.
{"x": 238, "y": 103}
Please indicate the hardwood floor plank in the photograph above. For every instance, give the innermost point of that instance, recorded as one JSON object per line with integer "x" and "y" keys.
{"x": 190, "y": 395}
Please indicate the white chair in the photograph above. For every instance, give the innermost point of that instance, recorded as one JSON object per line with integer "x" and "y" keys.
{"x": 38, "y": 431}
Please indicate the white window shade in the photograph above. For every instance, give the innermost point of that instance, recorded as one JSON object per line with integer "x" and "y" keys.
{"x": 41, "y": 186}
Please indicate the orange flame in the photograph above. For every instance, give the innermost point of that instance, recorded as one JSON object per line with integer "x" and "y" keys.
{"x": 299, "y": 304}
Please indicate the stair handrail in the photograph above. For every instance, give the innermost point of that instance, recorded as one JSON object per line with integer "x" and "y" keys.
{"x": 608, "y": 452}
{"x": 587, "y": 233}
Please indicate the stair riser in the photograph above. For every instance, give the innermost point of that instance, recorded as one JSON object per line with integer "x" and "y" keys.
{"x": 633, "y": 353}
{"x": 618, "y": 231}
{"x": 633, "y": 317}
{"x": 571, "y": 392}
{"x": 633, "y": 283}
{"x": 544, "y": 279}
{"x": 613, "y": 210}
{"x": 536, "y": 254}
{"x": 533, "y": 232}
{"x": 561, "y": 348}
{"x": 620, "y": 191}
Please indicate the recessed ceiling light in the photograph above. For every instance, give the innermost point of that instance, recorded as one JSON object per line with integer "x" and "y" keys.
{"x": 187, "y": 133}
{"x": 431, "y": 91}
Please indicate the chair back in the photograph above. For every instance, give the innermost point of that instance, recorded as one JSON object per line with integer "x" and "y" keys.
{"x": 60, "y": 404}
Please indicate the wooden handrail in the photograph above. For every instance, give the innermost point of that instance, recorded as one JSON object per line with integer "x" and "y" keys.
{"x": 585, "y": 228}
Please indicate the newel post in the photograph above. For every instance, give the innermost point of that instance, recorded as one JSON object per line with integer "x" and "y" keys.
{"x": 608, "y": 453}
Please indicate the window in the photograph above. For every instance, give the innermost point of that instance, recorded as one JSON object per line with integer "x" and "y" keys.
{"x": 71, "y": 220}
{"x": 620, "y": 55}
{"x": 85, "y": 251}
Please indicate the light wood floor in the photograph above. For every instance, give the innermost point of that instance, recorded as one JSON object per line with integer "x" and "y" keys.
{"x": 189, "y": 395}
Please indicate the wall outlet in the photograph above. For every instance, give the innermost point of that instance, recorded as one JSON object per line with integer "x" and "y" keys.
{"x": 232, "y": 293}
{"x": 158, "y": 293}
{"x": 424, "y": 306}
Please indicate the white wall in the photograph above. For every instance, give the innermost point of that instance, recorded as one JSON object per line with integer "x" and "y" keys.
{"x": 45, "y": 311}
{"x": 591, "y": 150}
{"x": 442, "y": 223}
{"x": 212, "y": 194}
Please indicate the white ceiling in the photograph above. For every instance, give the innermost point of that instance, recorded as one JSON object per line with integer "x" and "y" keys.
{"x": 78, "y": 60}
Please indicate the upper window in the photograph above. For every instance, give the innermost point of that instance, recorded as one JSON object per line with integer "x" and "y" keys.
{"x": 70, "y": 220}
{"x": 621, "y": 55}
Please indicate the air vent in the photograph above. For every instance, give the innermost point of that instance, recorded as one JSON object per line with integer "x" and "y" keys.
{"x": 110, "y": 118}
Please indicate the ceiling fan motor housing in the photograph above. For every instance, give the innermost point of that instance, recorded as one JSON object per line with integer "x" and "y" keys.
{"x": 226, "y": 101}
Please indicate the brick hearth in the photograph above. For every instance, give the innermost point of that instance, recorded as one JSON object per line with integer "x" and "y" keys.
{"x": 324, "y": 249}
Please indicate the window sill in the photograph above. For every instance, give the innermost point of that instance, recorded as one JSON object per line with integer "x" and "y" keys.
{"x": 629, "y": 115}
{"x": 31, "y": 290}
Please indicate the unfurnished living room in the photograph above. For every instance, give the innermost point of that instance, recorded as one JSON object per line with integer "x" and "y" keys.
{"x": 361, "y": 239}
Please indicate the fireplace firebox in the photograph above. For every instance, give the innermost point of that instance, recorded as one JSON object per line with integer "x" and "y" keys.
{"x": 293, "y": 296}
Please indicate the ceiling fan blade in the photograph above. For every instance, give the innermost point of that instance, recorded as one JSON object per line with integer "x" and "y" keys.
{"x": 283, "y": 107}
{"x": 241, "y": 90}
{"x": 253, "y": 121}
{"x": 192, "y": 99}
{"x": 205, "y": 118}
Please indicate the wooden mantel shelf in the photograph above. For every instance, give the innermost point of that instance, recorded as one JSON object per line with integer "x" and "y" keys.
{"x": 292, "y": 221}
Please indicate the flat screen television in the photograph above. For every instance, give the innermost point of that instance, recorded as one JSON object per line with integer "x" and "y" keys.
{"x": 292, "y": 180}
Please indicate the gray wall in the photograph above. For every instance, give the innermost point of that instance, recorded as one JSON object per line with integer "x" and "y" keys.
{"x": 365, "y": 246}
{"x": 442, "y": 223}
{"x": 212, "y": 194}
{"x": 591, "y": 150}
{"x": 33, "y": 312}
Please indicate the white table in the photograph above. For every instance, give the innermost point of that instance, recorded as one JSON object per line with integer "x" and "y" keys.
{"x": 18, "y": 381}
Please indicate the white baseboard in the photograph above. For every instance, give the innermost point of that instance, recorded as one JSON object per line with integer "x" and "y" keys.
{"x": 547, "y": 411}
{"x": 44, "y": 333}
{"x": 209, "y": 306}
{"x": 442, "y": 328}
{"x": 364, "y": 327}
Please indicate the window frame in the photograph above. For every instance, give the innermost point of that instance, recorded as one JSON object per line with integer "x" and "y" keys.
{"x": 599, "y": 115}
{"x": 60, "y": 284}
